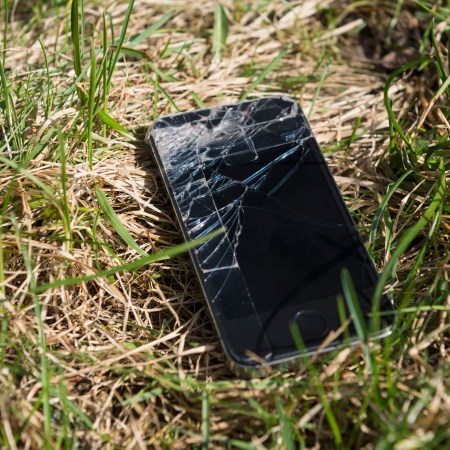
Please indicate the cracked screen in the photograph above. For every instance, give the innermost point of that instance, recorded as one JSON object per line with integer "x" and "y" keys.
{"x": 255, "y": 169}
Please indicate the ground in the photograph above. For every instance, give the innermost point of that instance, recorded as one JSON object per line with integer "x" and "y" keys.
{"x": 103, "y": 346}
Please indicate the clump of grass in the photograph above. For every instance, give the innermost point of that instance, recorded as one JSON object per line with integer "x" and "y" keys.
{"x": 104, "y": 342}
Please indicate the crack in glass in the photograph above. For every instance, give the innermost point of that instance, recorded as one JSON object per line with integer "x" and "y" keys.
{"x": 223, "y": 167}
{"x": 193, "y": 156}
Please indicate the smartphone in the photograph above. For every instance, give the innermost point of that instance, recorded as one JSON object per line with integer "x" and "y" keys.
{"x": 256, "y": 169}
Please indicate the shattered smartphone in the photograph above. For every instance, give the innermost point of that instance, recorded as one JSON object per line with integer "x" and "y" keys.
{"x": 256, "y": 169}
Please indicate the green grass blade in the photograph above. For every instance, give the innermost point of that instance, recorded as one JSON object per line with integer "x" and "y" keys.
{"x": 319, "y": 87}
{"x": 140, "y": 54}
{"x": 351, "y": 298}
{"x": 5, "y": 92}
{"x": 433, "y": 12}
{"x": 286, "y": 431}
{"x": 134, "y": 265}
{"x": 120, "y": 42}
{"x": 82, "y": 26}
{"x": 5, "y": 30}
{"x": 116, "y": 223}
{"x": 439, "y": 63}
{"x": 91, "y": 104}
{"x": 353, "y": 136}
{"x": 3, "y": 311}
{"x": 198, "y": 100}
{"x": 313, "y": 375}
{"x": 48, "y": 103}
{"x": 108, "y": 72}
{"x": 38, "y": 147}
{"x": 265, "y": 72}
{"x": 110, "y": 122}
{"x": 376, "y": 221}
{"x": 65, "y": 201}
{"x": 342, "y": 313}
{"x": 71, "y": 406}
{"x": 104, "y": 69}
{"x": 152, "y": 29}
{"x": 159, "y": 88}
{"x": 205, "y": 420}
{"x": 75, "y": 32}
{"x": 443, "y": 87}
{"x": 387, "y": 101}
{"x": 220, "y": 30}
{"x": 163, "y": 75}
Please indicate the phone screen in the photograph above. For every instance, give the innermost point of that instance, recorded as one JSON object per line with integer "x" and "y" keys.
{"x": 291, "y": 238}
{"x": 255, "y": 169}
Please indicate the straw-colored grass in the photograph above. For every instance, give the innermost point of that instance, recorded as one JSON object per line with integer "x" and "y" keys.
{"x": 131, "y": 359}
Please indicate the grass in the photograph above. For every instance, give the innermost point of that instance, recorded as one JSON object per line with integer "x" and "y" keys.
{"x": 105, "y": 341}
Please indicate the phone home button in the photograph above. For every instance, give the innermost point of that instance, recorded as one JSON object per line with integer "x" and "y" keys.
{"x": 311, "y": 324}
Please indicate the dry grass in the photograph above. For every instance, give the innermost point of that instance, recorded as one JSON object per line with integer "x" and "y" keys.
{"x": 132, "y": 360}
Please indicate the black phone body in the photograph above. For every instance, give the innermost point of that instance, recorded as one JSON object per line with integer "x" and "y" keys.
{"x": 256, "y": 169}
